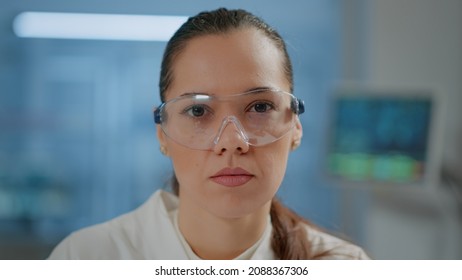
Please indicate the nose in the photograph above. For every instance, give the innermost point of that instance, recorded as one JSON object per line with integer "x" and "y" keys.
{"x": 231, "y": 137}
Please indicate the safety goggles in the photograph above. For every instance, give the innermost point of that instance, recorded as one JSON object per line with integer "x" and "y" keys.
{"x": 259, "y": 116}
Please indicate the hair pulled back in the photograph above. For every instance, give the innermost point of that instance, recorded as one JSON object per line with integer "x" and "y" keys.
{"x": 289, "y": 238}
{"x": 216, "y": 22}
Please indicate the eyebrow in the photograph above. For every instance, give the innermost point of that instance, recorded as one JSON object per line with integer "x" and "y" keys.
{"x": 213, "y": 94}
{"x": 259, "y": 88}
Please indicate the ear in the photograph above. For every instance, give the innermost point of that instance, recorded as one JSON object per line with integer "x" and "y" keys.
{"x": 160, "y": 135}
{"x": 162, "y": 139}
{"x": 297, "y": 134}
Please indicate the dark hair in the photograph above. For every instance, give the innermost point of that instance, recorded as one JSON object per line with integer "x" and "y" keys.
{"x": 289, "y": 237}
{"x": 219, "y": 21}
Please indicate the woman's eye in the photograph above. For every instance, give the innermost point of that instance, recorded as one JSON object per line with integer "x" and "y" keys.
{"x": 196, "y": 111}
{"x": 261, "y": 107}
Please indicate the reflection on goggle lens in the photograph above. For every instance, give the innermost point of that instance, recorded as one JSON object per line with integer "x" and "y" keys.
{"x": 260, "y": 117}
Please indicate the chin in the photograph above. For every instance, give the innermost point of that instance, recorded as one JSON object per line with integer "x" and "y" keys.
{"x": 235, "y": 208}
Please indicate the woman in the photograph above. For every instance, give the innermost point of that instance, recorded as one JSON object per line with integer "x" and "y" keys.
{"x": 228, "y": 122}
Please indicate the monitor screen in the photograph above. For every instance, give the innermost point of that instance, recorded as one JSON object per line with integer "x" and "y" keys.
{"x": 379, "y": 137}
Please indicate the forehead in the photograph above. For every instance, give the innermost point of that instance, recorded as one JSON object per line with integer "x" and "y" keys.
{"x": 228, "y": 63}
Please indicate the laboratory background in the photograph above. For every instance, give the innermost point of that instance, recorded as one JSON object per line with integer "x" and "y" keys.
{"x": 380, "y": 162}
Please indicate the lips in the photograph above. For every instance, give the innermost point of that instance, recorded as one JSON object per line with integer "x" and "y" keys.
{"x": 232, "y": 177}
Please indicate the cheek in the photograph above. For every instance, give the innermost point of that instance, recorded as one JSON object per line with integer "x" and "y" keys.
{"x": 186, "y": 162}
{"x": 273, "y": 161}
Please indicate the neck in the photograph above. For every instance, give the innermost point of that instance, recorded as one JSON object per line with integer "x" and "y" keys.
{"x": 212, "y": 237}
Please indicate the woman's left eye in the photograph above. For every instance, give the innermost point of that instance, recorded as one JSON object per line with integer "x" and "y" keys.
{"x": 261, "y": 107}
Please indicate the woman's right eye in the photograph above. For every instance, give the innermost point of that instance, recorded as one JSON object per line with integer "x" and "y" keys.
{"x": 196, "y": 111}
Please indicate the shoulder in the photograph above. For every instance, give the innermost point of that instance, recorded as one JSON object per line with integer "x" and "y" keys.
{"x": 94, "y": 242}
{"x": 326, "y": 246}
{"x": 123, "y": 237}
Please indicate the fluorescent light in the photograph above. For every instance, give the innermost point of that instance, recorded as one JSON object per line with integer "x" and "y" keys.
{"x": 96, "y": 26}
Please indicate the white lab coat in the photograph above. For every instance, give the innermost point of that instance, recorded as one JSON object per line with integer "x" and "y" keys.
{"x": 150, "y": 232}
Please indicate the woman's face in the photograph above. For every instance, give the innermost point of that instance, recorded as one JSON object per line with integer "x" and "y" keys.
{"x": 234, "y": 179}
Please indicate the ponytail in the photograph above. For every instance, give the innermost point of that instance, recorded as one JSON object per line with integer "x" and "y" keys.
{"x": 289, "y": 239}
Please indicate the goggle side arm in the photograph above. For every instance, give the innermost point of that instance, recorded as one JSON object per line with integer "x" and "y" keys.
{"x": 157, "y": 115}
{"x": 298, "y": 106}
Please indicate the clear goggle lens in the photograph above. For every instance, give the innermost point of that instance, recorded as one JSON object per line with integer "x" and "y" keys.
{"x": 260, "y": 117}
